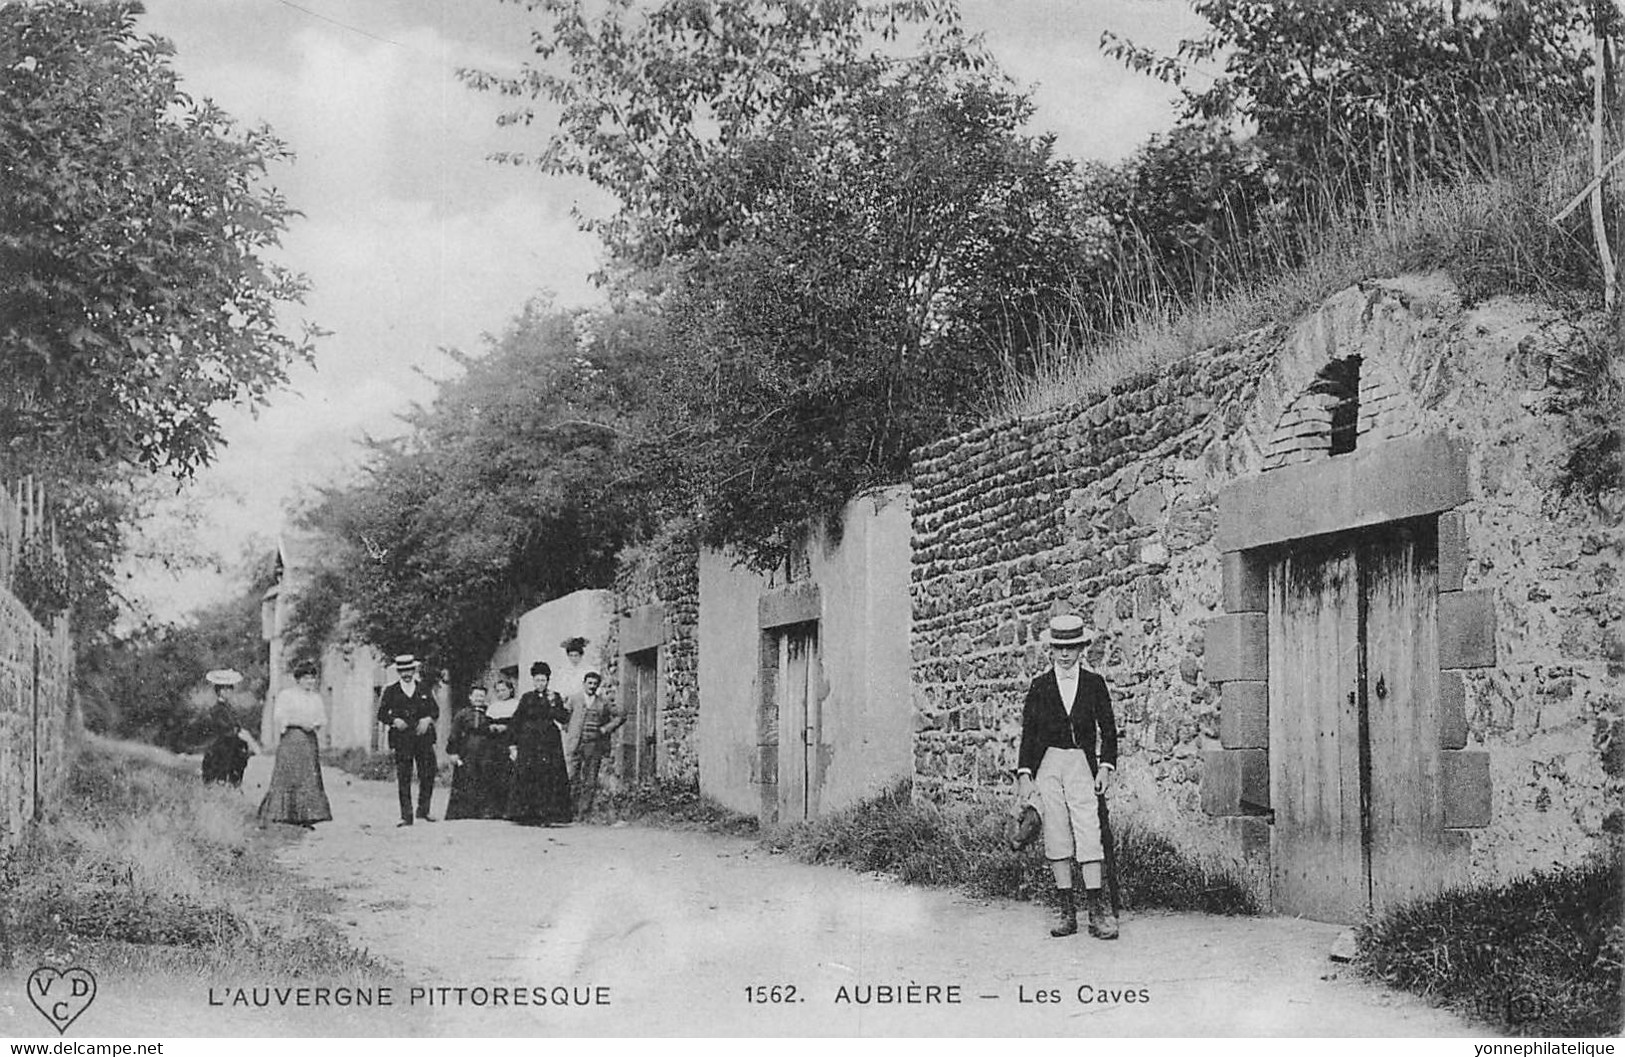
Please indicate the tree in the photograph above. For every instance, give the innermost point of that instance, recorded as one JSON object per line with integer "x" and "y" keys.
{"x": 898, "y": 259}
{"x": 848, "y": 234}
{"x": 1395, "y": 92}
{"x": 145, "y": 683}
{"x": 136, "y": 291}
{"x": 656, "y": 102}
{"x": 507, "y": 491}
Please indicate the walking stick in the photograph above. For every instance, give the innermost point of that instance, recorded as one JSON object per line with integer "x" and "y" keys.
{"x": 1110, "y": 847}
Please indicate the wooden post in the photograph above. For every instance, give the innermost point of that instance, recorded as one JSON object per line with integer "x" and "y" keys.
{"x": 1605, "y": 255}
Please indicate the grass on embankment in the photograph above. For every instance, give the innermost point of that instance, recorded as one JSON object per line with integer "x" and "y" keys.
{"x": 953, "y": 846}
{"x": 1542, "y": 955}
{"x": 965, "y": 846}
{"x": 1491, "y": 235}
{"x": 140, "y": 867}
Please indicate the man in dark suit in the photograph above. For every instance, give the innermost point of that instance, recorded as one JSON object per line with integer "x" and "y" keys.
{"x": 1069, "y": 751}
{"x": 408, "y": 709}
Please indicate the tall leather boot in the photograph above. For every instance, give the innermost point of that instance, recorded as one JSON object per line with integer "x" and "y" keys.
{"x": 1102, "y": 919}
{"x": 1066, "y": 920}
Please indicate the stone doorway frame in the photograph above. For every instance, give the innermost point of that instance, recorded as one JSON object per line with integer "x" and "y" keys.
{"x": 1396, "y": 480}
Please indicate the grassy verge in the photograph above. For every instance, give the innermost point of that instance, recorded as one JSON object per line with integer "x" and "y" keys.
{"x": 961, "y": 846}
{"x": 670, "y": 804}
{"x": 1539, "y": 956}
{"x": 141, "y": 868}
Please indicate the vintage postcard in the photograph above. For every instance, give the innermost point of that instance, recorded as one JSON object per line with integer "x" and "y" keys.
{"x": 1017, "y": 518}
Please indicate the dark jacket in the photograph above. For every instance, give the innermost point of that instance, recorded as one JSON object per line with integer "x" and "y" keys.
{"x": 1045, "y": 724}
{"x": 394, "y": 704}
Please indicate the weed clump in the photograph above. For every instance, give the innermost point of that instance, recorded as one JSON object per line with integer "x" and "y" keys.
{"x": 671, "y": 803}
{"x": 1542, "y": 955}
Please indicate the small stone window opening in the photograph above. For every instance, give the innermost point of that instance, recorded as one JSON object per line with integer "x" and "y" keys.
{"x": 1338, "y": 386}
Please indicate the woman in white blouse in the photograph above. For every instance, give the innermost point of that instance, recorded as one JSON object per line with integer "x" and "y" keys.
{"x": 296, "y": 795}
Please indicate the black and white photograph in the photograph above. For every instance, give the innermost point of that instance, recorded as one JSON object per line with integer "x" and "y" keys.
{"x": 801, "y": 519}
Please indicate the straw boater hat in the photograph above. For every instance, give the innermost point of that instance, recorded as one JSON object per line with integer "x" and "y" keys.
{"x": 1068, "y": 629}
{"x": 224, "y": 677}
{"x": 406, "y": 662}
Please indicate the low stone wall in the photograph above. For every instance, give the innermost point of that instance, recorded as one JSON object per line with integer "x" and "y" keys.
{"x": 1111, "y": 509}
{"x": 37, "y": 717}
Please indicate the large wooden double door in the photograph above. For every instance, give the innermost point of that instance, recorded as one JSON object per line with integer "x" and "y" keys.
{"x": 1354, "y": 721}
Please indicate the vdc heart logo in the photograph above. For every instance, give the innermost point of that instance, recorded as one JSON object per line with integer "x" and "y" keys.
{"x": 61, "y": 994}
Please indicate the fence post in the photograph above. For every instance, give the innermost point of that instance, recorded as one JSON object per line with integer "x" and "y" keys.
{"x": 35, "y": 695}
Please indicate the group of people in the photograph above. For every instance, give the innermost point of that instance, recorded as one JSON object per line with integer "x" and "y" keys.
{"x": 534, "y": 760}
{"x": 517, "y": 759}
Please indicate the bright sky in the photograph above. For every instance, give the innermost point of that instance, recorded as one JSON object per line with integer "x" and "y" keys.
{"x": 414, "y": 242}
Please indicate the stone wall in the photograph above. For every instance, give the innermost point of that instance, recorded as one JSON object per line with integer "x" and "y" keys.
{"x": 656, "y": 600}
{"x": 1105, "y": 509}
{"x": 37, "y": 717}
{"x": 1110, "y": 508}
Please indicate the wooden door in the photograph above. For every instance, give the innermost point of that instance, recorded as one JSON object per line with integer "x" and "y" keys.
{"x": 1399, "y": 591}
{"x": 1354, "y": 723}
{"x": 640, "y": 700}
{"x": 648, "y": 715}
{"x": 1315, "y": 786}
{"x": 799, "y": 722}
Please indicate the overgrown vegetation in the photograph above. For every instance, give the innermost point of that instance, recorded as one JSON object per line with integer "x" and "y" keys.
{"x": 1492, "y": 235}
{"x": 671, "y": 803}
{"x": 819, "y": 256}
{"x": 965, "y": 846}
{"x": 139, "y": 290}
{"x": 1543, "y": 955}
{"x": 139, "y": 867}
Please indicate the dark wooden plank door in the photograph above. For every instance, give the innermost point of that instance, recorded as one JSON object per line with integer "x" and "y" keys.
{"x": 1315, "y": 789}
{"x": 648, "y": 717}
{"x": 640, "y": 700}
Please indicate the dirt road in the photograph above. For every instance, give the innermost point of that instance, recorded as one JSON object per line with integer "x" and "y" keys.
{"x": 629, "y": 931}
{"x": 651, "y": 932}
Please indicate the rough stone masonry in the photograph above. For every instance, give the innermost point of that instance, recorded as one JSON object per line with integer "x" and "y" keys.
{"x": 1112, "y": 507}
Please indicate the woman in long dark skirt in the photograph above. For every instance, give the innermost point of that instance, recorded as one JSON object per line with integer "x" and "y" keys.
{"x": 296, "y": 795}
{"x": 479, "y": 786}
{"x": 539, "y": 794}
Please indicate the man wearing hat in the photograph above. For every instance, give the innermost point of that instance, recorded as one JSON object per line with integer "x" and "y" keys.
{"x": 593, "y": 719}
{"x": 409, "y": 710}
{"x": 1069, "y": 750}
